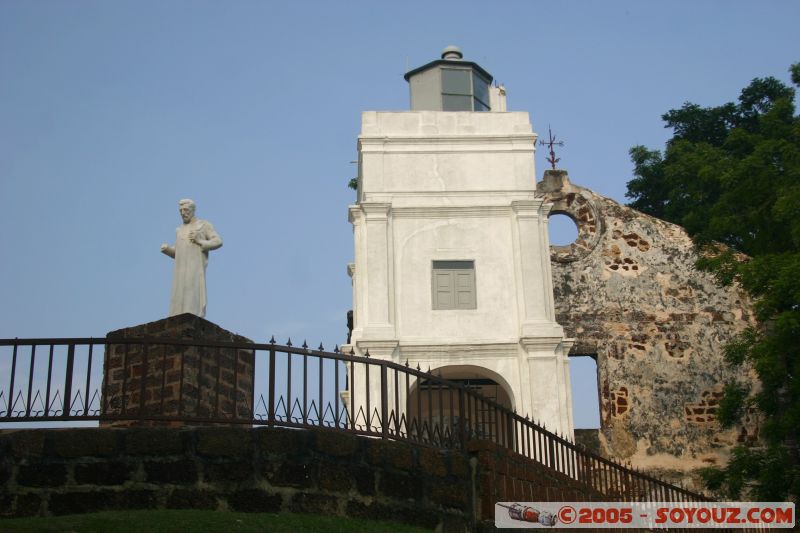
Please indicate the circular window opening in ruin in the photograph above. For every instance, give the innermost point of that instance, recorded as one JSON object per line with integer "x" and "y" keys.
{"x": 562, "y": 230}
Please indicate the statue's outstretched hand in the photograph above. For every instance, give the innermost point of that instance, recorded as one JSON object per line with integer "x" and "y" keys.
{"x": 166, "y": 249}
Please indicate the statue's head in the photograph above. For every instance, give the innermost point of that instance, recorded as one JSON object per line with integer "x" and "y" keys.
{"x": 186, "y": 207}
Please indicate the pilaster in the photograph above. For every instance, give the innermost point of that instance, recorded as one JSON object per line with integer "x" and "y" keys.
{"x": 548, "y": 379}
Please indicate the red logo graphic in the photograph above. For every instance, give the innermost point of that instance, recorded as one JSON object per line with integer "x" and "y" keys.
{"x": 528, "y": 514}
{"x": 567, "y": 514}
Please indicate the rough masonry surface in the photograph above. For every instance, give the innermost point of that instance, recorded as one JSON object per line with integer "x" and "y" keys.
{"x": 628, "y": 292}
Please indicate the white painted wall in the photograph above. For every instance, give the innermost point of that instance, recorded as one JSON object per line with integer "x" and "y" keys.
{"x": 458, "y": 186}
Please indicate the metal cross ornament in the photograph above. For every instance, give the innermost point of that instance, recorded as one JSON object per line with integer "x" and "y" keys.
{"x": 552, "y": 142}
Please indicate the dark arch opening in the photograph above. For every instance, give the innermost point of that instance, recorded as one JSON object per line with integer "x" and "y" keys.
{"x": 433, "y": 414}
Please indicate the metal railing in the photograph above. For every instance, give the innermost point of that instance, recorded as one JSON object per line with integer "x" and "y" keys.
{"x": 157, "y": 380}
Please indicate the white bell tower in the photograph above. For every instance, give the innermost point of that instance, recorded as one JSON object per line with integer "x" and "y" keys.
{"x": 452, "y": 264}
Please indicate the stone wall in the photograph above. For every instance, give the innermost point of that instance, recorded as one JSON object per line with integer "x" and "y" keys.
{"x": 54, "y": 472}
{"x": 67, "y": 471}
{"x": 191, "y": 381}
{"x": 628, "y": 292}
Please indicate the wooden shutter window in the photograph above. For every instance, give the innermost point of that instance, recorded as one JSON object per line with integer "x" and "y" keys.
{"x": 453, "y": 285}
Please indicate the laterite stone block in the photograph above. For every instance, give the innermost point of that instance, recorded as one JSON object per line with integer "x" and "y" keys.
{"x": 42, "y": 475}
{"x": 335, "y": 478}
{"x": 88, "y": 442}
{"x": 225, "y": 442}
{"x": 399, "y": 485}
{"x": 321, "y": 504}
{"x": 183, "y": 472}
{"x": 281, "y": 441}
{"x": 154, "y": 441}
{"x": 254, "y": 501}
{"x": 228, "y": 472}
{"x": 334, "y": 443}
{"x": 27, "y": 444}
{"x": 192, "y": 499}
{"x": 114, "y": 473}
{"x": 290, "y": 474}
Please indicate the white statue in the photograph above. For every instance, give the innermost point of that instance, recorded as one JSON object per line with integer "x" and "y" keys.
{"x": 192, "y": 242}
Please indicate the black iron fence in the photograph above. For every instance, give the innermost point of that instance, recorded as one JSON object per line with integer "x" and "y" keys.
{"x": 160, "y": 381}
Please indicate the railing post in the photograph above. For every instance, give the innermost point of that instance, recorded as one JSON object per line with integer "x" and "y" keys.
{"x": 320, "y": 406}
{"x": 336, "y": 393}
{"x": 352, "y": 390}
{"x": 419, "y": 408}
{"x": 397, "y": 404}
{"x": 68, "y": 381}
{"x": 30, "y": 381}
{"x": 288, "y": 404}
{"x": 368, "y": 413}
{"x": 510, "y": 427}
{"x": 253, "y": 386}
{"x": 430, "y": 411}
{"x": 50, "y": 379}
{"x": 305, "y": 387}
{"x": 271, "y": 406}
{"x": 441, "y": 411}
{"x": 407, "y": 406}
{"x": 88, "y": 381}
{"x": 11, "y": 387}
{"x": 384, "y": 402}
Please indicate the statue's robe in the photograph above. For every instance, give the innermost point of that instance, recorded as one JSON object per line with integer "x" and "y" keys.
{"x": 189, "y": 278}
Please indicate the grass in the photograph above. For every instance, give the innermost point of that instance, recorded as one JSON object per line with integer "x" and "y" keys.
{"x": 198, "y": 521}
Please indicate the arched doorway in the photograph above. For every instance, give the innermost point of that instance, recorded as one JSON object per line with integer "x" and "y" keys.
{"x": 437, "y": 414}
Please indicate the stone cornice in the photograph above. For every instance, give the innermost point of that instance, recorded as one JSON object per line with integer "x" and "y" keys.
{"x": 520, "y": 195}
{"x": 466, "y": 138}
{"x": 375, "y": 210}
{"x": 433, "y": 145}
{"x": 376, "y": 344}
{"x": 450, "y": 211}
{"x": 354, "y": 214}
{"x": 496, "y": 144}
{"x": 434, "y": 352}
{"x": 530, "y": 208}
{"x": 382, "y": 210}
{"x": 543, "y": 344}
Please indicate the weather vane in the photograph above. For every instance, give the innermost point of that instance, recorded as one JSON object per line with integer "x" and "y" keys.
{"x": 552, "y": 142}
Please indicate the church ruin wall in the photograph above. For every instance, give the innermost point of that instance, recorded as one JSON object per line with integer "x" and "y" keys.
{"x": 628, "y": 292}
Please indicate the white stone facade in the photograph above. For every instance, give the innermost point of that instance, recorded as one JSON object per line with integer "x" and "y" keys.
{"x": 458, "y": 186}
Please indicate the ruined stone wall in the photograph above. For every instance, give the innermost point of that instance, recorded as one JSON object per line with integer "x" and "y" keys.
{"x": 628, "y": 292}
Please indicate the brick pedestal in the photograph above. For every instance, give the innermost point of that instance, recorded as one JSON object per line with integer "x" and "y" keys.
{"x": 204, "y": 385}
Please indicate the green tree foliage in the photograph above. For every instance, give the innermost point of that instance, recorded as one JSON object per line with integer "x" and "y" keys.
{"x": 730, "y": 175}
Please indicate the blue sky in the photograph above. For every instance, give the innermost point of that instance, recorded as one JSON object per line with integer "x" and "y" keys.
{"x": 112, "y": 111}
